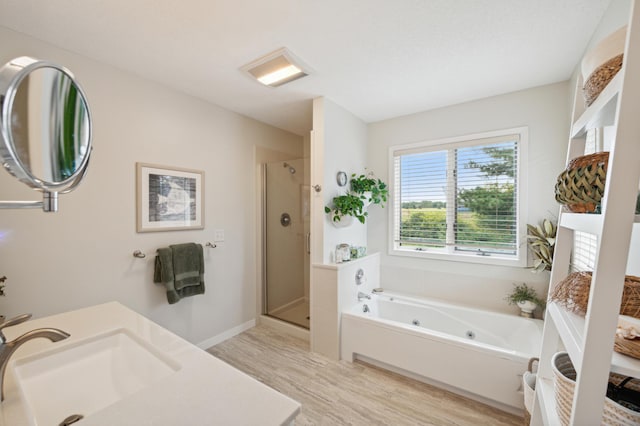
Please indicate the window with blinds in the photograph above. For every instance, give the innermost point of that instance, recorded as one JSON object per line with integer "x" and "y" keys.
{"x": 460, "y": 197}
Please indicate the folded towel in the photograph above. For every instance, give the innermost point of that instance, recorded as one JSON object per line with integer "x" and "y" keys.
{"x": 163, "y": 271}
{"x": 188, "y": 265}
{"x": 180, "y": 268}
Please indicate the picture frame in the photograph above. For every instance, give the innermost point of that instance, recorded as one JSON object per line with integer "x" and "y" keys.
{"x": 168, "y": 198}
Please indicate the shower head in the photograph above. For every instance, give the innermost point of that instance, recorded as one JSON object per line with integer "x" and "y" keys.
{"x": 291, "y": 169}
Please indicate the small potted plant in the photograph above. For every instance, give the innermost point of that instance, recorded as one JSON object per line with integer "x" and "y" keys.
{"x": 369, "y": 189}
{"x": 344, "y": 208}
{"x": 525, "y": 298}
{"x": 542, "y": 241}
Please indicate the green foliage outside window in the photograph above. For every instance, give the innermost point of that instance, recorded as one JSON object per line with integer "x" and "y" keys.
{"x": 485, "y": 218}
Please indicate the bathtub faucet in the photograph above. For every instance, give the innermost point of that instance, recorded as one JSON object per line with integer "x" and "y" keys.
{"x": 362, "y": 295}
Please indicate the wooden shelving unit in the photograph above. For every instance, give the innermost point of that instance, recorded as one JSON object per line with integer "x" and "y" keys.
{"x": 589, "y": 340}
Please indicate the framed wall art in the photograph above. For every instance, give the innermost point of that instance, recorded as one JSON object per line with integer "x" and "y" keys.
{"x": 168, "y": 198}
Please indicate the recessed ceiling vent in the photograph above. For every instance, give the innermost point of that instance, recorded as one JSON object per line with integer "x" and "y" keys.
{"x": 276, "y": 68}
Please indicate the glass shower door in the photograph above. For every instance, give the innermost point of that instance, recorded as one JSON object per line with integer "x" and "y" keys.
{"x": 286, "y": 232}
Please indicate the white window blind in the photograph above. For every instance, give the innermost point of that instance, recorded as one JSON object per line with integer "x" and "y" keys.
{"x": 583, "y": 256}
{"x": 458, "y": 198}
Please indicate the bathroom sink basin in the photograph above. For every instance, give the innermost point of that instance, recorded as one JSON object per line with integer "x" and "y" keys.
{"x": 84, "y": 377}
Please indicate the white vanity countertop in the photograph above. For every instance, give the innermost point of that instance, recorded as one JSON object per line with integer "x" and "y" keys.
{"x": 204, "y": 391}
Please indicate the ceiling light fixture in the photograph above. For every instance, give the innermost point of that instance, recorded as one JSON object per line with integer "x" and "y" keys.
{"x": 276, "y": 68}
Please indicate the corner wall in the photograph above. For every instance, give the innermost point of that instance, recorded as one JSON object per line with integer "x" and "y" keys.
{"x": 82, "y": 255}
{"x": 544, "y": 110}
{"x": 338, "y": 143}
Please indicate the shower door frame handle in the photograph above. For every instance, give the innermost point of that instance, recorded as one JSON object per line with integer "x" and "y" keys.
{"x": 307, "y": 240}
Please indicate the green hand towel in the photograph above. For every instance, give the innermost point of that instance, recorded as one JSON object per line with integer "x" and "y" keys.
{"x": 181, "y": 269}
{"x": 163, "y": 271}
{"x": 188, "y": 265}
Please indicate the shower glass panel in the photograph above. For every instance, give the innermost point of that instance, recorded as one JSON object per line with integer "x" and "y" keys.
{"x": 286, "y": 233}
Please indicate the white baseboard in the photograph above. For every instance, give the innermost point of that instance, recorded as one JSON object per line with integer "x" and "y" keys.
{"x": 212, "y": 341}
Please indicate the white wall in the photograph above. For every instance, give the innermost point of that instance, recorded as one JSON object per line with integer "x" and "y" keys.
{"x": 616, "y": 16}
{"x": 82, "y": 255}
{"x": 340, "y": 145}
{"x": 544, "y": 110}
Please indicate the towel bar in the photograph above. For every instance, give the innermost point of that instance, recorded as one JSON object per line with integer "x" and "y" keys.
{"x": 140, "y": 255}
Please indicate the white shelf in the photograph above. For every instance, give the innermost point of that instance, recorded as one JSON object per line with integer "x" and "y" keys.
{"x": 545, "y": 395}
{"x": 571, "y": 329}
{"x": 586, "y": 222}
{"x": 602, "y": 111}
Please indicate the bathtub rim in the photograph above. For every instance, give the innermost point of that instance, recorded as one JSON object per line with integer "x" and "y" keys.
{"x": 356, "y": 313}
{"x": 425, "y": 300}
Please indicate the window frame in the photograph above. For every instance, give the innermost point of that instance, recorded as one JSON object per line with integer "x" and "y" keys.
{"x": 520, "y": 259}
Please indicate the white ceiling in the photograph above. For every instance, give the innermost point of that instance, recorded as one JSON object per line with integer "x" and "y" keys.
{"x": 376, "y": 58}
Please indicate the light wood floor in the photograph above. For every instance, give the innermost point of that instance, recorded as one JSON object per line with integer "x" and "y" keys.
{"x": 342, "y": 393}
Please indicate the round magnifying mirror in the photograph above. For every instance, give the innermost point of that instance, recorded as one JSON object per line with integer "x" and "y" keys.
{"x": 45, "y": 125}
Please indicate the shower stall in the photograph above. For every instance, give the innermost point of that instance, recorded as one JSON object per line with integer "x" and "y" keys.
{"x": 286, "y": 243}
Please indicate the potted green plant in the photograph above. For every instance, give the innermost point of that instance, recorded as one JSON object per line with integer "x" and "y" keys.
{"x": 344, "y": 208}
{"x": 369, "y": 189}
{"x": 542, "y": 241}
{"x": 525, "y": 298}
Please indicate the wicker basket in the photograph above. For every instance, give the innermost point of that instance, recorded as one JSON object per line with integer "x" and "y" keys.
{"x": 601, "y": 63}
{"x": 599, "y": 79}
{"x": 627, "y": 340}
{"x": 581, "y": 185}
{"x": 564, "y": 382}
{"x": 573, "y": 294}
{"x": 627, "y": 347}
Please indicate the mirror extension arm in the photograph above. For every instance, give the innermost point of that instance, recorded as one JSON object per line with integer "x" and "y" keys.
{"x": 49, "y": 203}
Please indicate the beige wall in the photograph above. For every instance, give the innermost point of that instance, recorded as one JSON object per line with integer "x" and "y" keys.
{"x": 82, "y": 255}
{"x": 544, "y": 111}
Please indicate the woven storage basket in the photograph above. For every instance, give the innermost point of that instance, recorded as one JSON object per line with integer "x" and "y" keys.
{"x": 581, "y": 185}
{"x": 573, "y": 294}
{"x": 565, "y": 381}
{"x": 601, "y": 63}
{"x": 599, "y": 79}
{"x": 627, "y": 341}
{"x": 627, "y": 347}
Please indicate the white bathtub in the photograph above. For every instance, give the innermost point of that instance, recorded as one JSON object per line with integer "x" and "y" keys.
{"x": 474, "y": 352}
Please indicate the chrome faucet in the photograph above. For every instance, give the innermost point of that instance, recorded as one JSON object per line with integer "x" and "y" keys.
{"x": 8, "y": 348}
{"x": 362, "y": 295}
